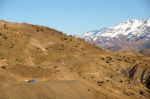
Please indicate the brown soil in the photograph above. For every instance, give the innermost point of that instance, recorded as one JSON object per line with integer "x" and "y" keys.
{"x": 66, "y": 67}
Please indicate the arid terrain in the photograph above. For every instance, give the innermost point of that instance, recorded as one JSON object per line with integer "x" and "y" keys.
{"x": 66, "y": 67}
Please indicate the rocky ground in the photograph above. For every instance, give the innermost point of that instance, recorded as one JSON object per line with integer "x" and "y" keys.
{"x": 65, "y": 67}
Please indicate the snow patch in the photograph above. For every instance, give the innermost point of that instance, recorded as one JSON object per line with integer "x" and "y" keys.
{"x": 95, "y": 38}
{"x": 133, "y": 26}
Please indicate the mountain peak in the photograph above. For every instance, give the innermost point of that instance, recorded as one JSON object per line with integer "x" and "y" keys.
{"x": 128, "y": 31}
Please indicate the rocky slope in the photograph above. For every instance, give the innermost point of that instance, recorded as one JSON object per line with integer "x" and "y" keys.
{"x": 129, "y": 35}
{"x": 66, "y": 67}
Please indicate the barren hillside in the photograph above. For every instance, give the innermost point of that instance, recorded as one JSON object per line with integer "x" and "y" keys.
{"x": 66, "y": 67}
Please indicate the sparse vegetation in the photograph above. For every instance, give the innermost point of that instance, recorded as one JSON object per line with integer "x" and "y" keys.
{"x": 3, "y": 67}
{"x": 4, "y": 36}
{"x": 37, "y": 29}
{"x": 64, "y": 39}
{"x": 108, "y": 57}
{"x": 55, "y": 66}
{"x": 49, "y": 55}
{"x": 141, "y": 92}
{"x": 107, "y": 61}
{"x": 102, "y": 58}
{"x": 12, "y": 45}
{"x": 99, "y": 83}
{"x": 119, "y": 59}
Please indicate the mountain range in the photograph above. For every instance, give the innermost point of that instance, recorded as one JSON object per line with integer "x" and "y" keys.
{"x": 128, "y": 35}
{"x": 38, "y": 62}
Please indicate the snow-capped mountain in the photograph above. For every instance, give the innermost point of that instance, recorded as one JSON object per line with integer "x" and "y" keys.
{"x": 129, "y": 35}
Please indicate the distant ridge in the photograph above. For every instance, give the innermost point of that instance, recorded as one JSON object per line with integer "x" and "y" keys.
{"x": 128, "y": 35}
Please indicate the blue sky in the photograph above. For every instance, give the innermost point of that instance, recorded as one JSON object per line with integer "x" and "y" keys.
{"x": 74, "y": 16}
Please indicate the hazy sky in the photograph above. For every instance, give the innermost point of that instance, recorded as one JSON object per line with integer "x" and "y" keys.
{"x": 74, "y": 16}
